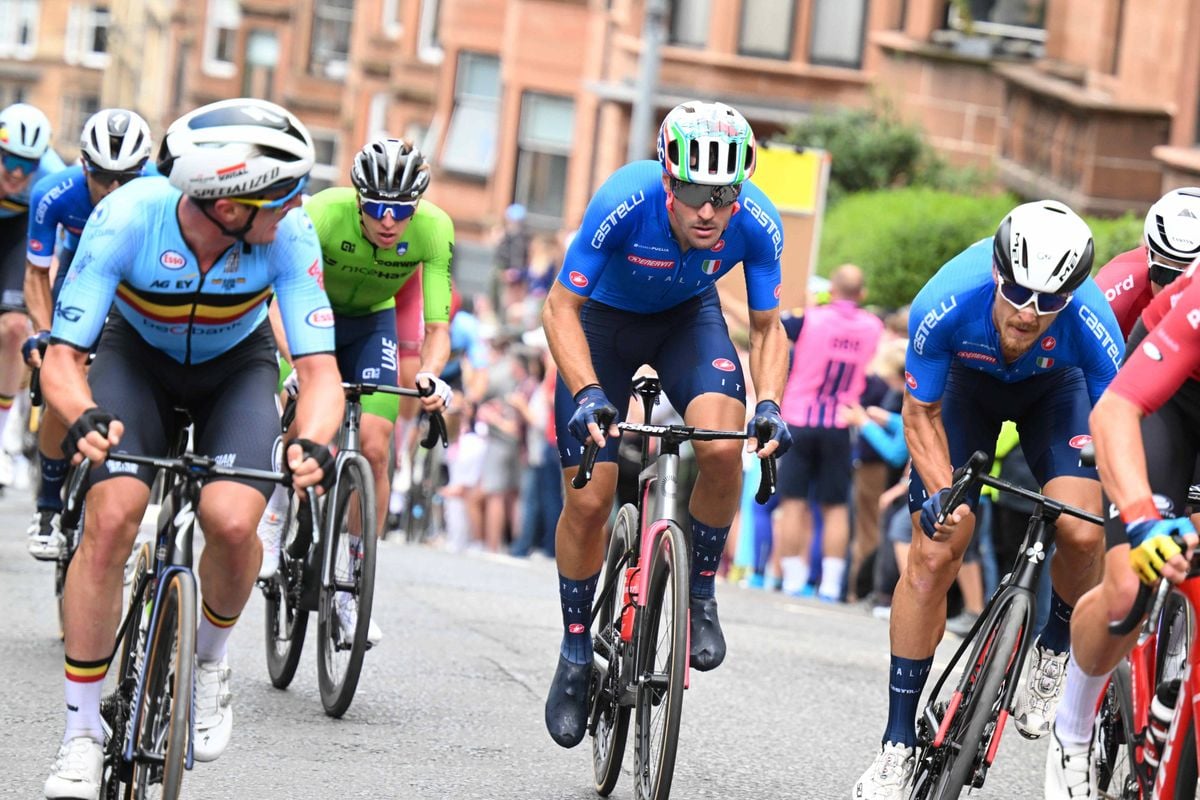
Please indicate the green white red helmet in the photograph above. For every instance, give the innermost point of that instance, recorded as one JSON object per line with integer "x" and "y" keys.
{"x": 708, "y": 143}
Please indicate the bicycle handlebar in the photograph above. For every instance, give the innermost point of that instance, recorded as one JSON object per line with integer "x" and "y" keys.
{"x": 973, "y": 472}
{"x": 437, "y": 423}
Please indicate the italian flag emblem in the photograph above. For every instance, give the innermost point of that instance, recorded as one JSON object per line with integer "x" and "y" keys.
{"x": 1045, "y": 363}
{"x": 710, "y": 266}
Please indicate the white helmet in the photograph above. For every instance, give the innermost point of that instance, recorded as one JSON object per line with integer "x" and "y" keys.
{"x": 1043, "y": 246}
{"x": 1172, "y": 228}
{"x": 235, "y": 148}
{"x": 709, "y": 143}
{"x": 115, "y": 140}
{"x": 24, "y": 131}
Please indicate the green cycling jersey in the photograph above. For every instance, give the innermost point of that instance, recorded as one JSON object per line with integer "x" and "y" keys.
{"x": 361, "y": 279}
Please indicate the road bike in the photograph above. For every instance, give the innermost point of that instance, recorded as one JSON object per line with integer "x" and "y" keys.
{"x": 958, "y": 735}
{"x": 420, "y": 517}
{"x": 327, "y": 562}
{"x": 640, "y": 621}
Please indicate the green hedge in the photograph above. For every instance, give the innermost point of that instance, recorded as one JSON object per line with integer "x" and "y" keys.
{"x": 901, "y": 237}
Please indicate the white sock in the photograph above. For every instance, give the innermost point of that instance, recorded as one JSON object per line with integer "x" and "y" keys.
{"x": 212, "y": 634}
{"x": 1077, "y": 709}
{"x": 795, "y": 573}
{"x": 83, "y": 710}
{"x": 833, "y": 570}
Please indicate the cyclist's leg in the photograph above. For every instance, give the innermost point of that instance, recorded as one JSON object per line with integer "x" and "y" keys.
{"x": 52, "y": 464}
{"x": 14, "y": 324}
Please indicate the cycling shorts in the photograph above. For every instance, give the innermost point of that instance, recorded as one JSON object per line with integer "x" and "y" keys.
{"x": 817, "y": 466}
{"x": 230, "y": 399}
{"x": 688, "y": 345}
{"x": 13, "y": 232}
{"x": 410, "y": 318}
{"x": 1050, "y": 410}
{"x": 366, "y": 353}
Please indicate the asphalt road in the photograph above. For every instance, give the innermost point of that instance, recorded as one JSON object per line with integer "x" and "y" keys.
{"x": 450, "y": 703}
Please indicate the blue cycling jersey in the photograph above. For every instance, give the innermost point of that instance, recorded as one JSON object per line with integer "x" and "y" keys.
{"x": 951, "y": 320}
{"x": 16, "y": 204}
{"x": 60, "y": 198}
{"x": 132, "y": 251}
{"x": 626, "y": 256}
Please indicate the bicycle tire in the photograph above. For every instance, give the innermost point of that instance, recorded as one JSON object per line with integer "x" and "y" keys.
{"x": 418, "y": 504}
{"x": 285, "y": 621}
{"x": 353, "y": 508}
{"x": 610, "y": 718}
{"x": 1114, "y": 739}
{"x": 163, "y": 720}
{"x": 663, "y": 689}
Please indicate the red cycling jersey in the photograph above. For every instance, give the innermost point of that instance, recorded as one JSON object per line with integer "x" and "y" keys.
{"x": 1125, "y": 282}
{"x": 1170, "y": 353}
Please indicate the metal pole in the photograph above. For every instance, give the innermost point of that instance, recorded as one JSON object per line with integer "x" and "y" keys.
{"x": 641, "y": 121}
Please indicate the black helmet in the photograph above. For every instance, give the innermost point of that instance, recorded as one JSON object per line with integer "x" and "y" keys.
{"x": 390, "y": 169}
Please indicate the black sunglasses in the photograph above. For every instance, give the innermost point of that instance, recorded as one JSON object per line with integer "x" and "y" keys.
{"x": 106, "y": 178}
{"x": 697, "y": 194}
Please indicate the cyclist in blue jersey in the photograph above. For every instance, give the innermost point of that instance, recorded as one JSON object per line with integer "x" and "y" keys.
{"x": 637, "y": 287}
{"x": 188, "y": 263}
{"x": 1012, "y": 328}
{"x": 114, "y": 148}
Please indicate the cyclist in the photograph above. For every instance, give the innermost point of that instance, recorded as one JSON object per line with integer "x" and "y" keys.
{"x": 1011, "y": 328}
{"x": 1170, "y": 241}
{"x": 1147, "y": 437}
{"x": 25, "y": 158}
{"x": 190, "y": 263}
{"x": 114, "y": 148}
{"x": 636, "y": 287}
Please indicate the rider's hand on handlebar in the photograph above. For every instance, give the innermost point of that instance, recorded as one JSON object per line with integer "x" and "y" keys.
{"x": 91, "y": 436}
{"x": 1154, "y": 553}
{"x": 310, "y": 464}
{"x": 932, "y": 508}
{"x": 590, "y": 404}
{"x": 33, "y": 348}
{"x": 767, "y": 414}
{"x": 437, "y": 400}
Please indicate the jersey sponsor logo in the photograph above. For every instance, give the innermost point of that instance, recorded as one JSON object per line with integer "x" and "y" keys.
{"x": 1048, "y": 343}
{"x": 1080, "y": 441}
{"x": 710, "y": 266}
{"x": 320, "y": 318}
{"x": 99, "y": 214}
{"x": 1114, "y": 291}
{"x": 778, "y": 290}
{"x": 172, "y": 260}
{"x": 401, "y": 248}
{"x": 1045, "y": 363}
{"x": 69, "y": 313}
{"x": 232, "y": 171}
{"x": 971, "y": 355}
{"x": 1152, "y": 352}
{"x": 910, "y": 380}
{"x": 578, "y": 279}
{"x": 347, "y": 247}
{"x": 719, "y": 246}
{"x": 35, "y": 245}
{"x": 370, "y": 373}
{"x": 761, "y": 216}
{"x": 314, "y": 269}
{"x": 618, "y": 213}
{"x": 930, "y": 321}
{"x": 50, "y": 197}
{"x": 724, "y": 364}
{"x": 652, "y": 263}
{"x": 1193, "y": 318}
{"x": 225, "y": 459}
{"x": 1101, "y": 333}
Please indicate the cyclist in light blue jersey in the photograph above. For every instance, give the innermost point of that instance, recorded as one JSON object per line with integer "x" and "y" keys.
{"x": 188, "y": 264}
{"x": 637, "y": 287}
{"x": 114, "y": 148}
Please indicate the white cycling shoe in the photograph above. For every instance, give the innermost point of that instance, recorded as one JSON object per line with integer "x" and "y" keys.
{"x": 347, "y": 611}
{"x": 214, "y": 710}
{"x": 45, "y": 542}
{"x": 890, "y": 777}
{"x": 1038, "y": 695}
{"x": 1070, "y": 771}
{"x": 77, "y": 771}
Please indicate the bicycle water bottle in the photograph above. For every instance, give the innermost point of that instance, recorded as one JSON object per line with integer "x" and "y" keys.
{"x": 627, "y": 604}
{"x": 1162, "y": 709}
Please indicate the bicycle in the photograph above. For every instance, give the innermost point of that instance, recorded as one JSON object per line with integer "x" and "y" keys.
{"x": 421, "y": 503}
{"x": 638, "y": 629}
{"x": 328, "y": 549}
{"x": 957, "y": 737}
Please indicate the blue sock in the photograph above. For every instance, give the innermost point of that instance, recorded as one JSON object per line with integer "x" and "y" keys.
{"x": 576, "y": 597}
{"x": 708, "y": 544}
{"x": 907, "y": 680}
{"x": 54, "y": 472}
{"x": 1056, "y": 635}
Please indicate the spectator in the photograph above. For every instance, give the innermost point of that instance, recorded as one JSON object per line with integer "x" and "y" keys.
{"x": 541, "y": 481}
{"x": 501, "y": 474}
{"x": 512, "y": 252}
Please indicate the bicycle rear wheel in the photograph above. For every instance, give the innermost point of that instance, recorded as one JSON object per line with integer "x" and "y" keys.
{"x": 1114, "y": 739}
{"x": 419, "y": 503}
{"x": 1186, "y": 771}
{"x": 662, "y": 665}
{"x": 610, "y": 718}
{"x": 350, "y": 551}
{"x": 163, "y": 719}
{"x": 286, "y": 622}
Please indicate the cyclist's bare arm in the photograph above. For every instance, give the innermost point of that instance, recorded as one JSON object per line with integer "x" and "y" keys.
{"x": 37, "y": 302}
{"x": 564, "y": 333}
{"x": 435, "y": 352}
{"x": 768, "y": 354}
{"x": 319, "y": 409}
{"x": 925, "y": 436}
{"x": 66, "y": 390}
{"x": 277, "y": 328}
{"x": 1115, "y": 424}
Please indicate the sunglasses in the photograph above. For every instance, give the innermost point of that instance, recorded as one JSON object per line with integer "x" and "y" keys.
{"x": 1044, "y": 302}
{"x": 273, "y": 203}
{"x": 106, "y": 178}
{"x": 15, "y": 163}
{"x": 378, "y": 209}
{"x": 697, "y": 194}
{"x": 1163, "y": 271}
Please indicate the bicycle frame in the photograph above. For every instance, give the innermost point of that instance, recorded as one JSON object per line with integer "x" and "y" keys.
{"x": 1187, "y": 708}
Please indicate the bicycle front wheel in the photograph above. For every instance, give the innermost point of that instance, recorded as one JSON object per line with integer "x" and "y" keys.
{"x": 286, "y": 621}
{"x": 344, "y": 613}
{"x": 1114, "y": 739}
{"x": 662, "y": 661}
{"x": 610, "y": 718}
{"x": 163, "y": 719}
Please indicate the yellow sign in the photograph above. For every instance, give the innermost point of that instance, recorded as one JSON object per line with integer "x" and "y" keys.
{"x": 792, "y": 178}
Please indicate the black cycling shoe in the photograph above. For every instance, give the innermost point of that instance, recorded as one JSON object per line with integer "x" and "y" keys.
{"x": 567, "y": 703}
{"x": 708, "y": 643}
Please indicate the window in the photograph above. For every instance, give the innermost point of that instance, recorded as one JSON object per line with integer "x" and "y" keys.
{"x": 837, "y": 32}
{"x": 220, "y": 37}
{"x": 1014, "y": 19}
{"x": 767, "y": 28}
{"x": 429, "y": 41}
{"x": 391, "y": 19}
{"x": 262, "y": 54}
{"x": 377, "y": 126}
{"x": 471, "y": 139}
{"x": 75, "y": 112}
{"x": 331, "y": 37}
{"x": 543, "y": 149}
{"x": 87, "y": 35}
{"x": 12, "y": 93}
{"x": 324, "y": 172}
{"x": 689, "y": 22}
{"x": 18, "y": 39}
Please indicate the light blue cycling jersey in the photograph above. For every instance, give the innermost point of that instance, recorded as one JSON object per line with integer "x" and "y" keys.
{"x": 16, "y": 204}
{"x": 132, "y": 251}
{"x": 951, "y": 320}
{"x": 60, "y": 198}
{"x": 626, "y": 256}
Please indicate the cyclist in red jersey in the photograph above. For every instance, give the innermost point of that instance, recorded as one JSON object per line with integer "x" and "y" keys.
{"x": 1146, "y": 428}
{"x": 1171, "y": 239}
